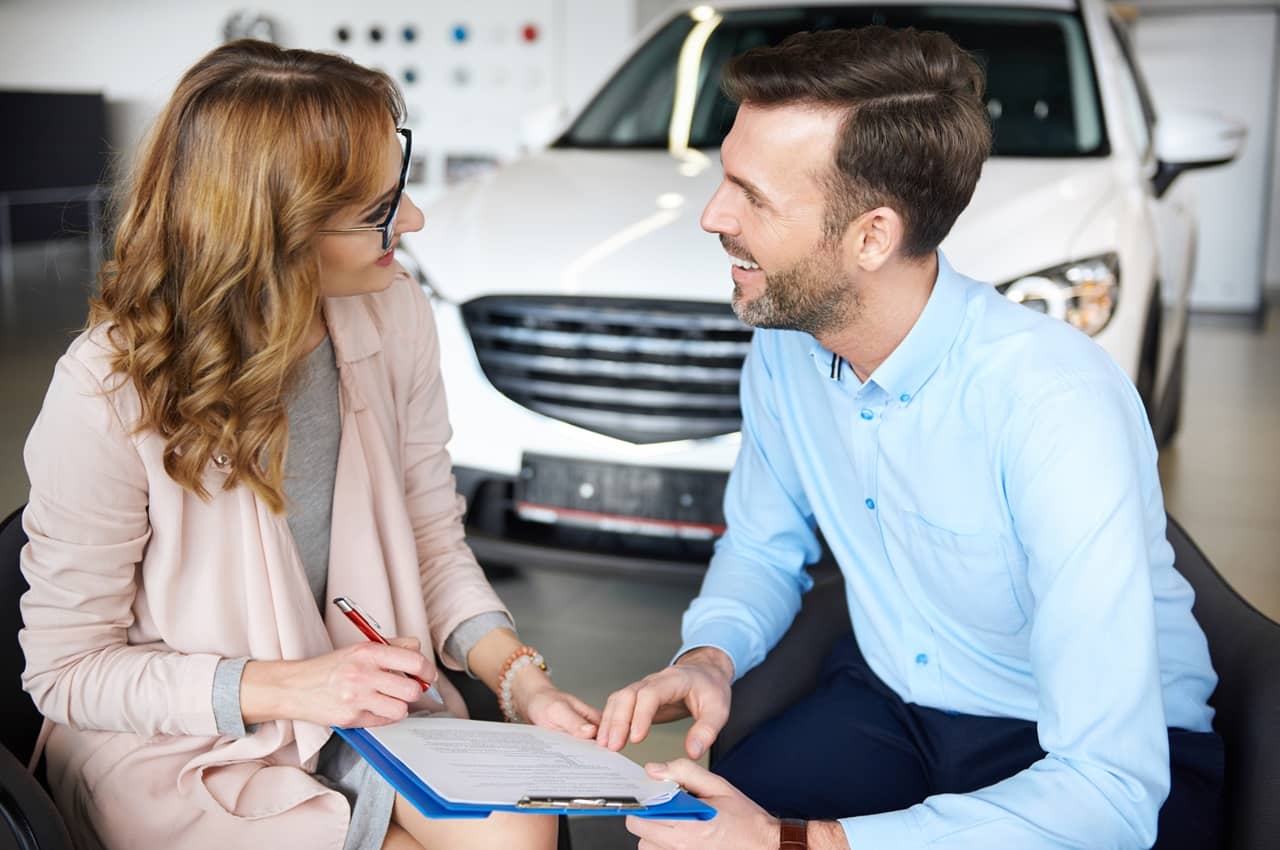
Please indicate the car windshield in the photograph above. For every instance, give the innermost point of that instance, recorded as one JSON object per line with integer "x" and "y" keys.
{"x": 1041, "y": 92}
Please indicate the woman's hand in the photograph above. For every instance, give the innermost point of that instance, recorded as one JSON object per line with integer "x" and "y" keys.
{"x": 540, "y": 702}
{"x": 360, "y": 685}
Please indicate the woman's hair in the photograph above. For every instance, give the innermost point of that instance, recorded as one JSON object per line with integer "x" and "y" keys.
{"x": 214, "y": 283}
{"x": 915, "y": 132}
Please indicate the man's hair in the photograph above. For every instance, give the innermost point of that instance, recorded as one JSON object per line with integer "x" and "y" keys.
{"x": 916, "y": 131}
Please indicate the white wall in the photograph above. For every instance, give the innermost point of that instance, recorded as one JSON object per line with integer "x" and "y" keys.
{"x": 467, "y": 98}
{"x": 1264, "y": 141}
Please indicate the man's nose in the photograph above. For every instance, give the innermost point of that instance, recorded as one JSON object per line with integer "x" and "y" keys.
{"x": 717, "y": 217}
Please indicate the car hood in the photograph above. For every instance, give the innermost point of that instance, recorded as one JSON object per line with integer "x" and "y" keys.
{"x": 579, "y": 222}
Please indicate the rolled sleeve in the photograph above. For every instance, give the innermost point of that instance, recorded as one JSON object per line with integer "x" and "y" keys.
{"x": 469, "y": 632}
{"x": 226, "y": 697}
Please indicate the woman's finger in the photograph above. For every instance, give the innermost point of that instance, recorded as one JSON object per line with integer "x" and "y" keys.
{"x": 590, "y": 712}
{"x": 573, "y": 720}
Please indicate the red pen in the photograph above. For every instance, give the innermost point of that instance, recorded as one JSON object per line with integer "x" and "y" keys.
{"x": 354, "y": 613}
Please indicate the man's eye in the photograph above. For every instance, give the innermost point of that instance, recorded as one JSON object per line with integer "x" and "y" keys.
{"x": 751, "y": 199}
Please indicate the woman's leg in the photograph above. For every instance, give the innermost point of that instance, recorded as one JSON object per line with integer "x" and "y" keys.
{"x": 398, "y": 839}
{"x": 499, "y": 831}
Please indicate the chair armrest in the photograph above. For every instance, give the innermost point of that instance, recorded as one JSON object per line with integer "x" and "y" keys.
{"x": 28, "y": 818}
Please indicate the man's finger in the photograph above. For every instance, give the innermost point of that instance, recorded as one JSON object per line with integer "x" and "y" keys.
{"x": 648, "y": 701}
{"x": 700, "y": 738}
{"x": 406, "y": 642}
{"x": 649, "y": 829}
{"x": 617, "y": 719}
{"x": 709, "y": 715}
{"x": 694, "y": 778}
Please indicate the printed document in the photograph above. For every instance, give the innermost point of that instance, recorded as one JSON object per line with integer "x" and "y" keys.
{"x": 476, "y": 761}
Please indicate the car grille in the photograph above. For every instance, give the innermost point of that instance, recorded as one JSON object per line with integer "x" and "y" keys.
{"x": 642, "y": 371}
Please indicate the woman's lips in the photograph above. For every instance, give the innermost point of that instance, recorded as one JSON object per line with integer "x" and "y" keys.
{"x": 385, "y": 259}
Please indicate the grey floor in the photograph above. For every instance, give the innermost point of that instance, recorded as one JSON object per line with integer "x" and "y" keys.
{"x": 1221, "y": 478}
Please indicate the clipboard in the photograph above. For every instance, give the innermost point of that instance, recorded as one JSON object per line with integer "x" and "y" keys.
{"x": 683, "y": 806}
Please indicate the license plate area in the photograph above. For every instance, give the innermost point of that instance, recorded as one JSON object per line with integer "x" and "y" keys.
{"x": 655, "y": 501}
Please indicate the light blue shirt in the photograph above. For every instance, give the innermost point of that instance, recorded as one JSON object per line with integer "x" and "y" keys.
{"x": 991, "y": 496}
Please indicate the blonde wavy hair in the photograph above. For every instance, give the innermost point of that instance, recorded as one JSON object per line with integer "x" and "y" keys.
{"x": 214, "y": 282}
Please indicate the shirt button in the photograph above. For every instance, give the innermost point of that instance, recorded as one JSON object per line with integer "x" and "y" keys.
{"x": 867, "y": 414}
{"x": 904, "y": 398}
{"x": 871, "y": 504}
{"x": 922, "y": 659}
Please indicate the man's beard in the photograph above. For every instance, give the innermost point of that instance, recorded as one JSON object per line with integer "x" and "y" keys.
{"x": 814, "y": 295}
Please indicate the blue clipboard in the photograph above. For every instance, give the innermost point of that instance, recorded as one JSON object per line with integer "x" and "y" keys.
{"x": 683, "y": 806}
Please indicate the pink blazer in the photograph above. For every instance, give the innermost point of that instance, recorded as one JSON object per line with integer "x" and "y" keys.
{"x": 138, "y": 588}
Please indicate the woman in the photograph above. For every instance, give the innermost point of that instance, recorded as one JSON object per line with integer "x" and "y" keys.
{"x": 252, "y": 425}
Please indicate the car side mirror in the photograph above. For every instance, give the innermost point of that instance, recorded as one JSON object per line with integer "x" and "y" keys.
{"x": 540, "y": 127}
{"x": 1187, "y": 139}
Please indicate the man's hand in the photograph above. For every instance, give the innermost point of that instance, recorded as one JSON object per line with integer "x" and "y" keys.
{"x": 698, "y": 684}
{"x": 739, "y": 824}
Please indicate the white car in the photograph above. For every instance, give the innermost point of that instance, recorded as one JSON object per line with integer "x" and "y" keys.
{"x": 590, "y": 355}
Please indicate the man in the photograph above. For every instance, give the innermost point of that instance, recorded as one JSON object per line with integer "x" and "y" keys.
{"x": 1024, "y": 668}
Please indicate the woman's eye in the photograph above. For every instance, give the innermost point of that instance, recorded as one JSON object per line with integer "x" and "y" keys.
{"x": 379, "y": 215}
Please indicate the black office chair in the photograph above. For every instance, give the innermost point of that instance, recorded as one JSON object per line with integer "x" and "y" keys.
{"x": 28, "y": 818}
{"x": 1243, "y": 642}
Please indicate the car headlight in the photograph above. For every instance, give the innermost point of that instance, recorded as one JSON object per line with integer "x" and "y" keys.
{"x": 1083, "y": 293}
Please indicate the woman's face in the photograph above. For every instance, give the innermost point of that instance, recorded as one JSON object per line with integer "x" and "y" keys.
{"x": 353, "y": 263}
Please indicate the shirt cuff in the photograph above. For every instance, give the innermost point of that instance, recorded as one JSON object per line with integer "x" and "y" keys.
{"x": 724, "y": 637}
{"x": 226, "y": 697}
{"x": 464, "y": 638}
{"x": 889, "y": 830}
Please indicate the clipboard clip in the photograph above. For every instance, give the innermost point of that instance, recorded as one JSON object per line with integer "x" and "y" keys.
{"x": 620, "y": 803}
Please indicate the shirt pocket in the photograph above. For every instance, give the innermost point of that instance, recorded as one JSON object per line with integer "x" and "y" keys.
{"x": 967, "y": 577}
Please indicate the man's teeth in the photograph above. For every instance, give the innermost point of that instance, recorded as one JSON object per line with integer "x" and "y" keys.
{"x": 742, "y": 264}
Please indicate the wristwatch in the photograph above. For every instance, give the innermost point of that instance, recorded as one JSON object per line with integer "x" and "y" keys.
{"x": 795, "y": 834}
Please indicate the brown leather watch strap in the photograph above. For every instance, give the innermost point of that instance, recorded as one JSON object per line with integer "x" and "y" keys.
{"x": 795, "y": 835}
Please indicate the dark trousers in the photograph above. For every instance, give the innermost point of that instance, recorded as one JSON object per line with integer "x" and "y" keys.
{"x": 811, "y": 761}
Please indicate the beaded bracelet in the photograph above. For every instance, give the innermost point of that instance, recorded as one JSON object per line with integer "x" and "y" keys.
{"x": 516, "y": 661}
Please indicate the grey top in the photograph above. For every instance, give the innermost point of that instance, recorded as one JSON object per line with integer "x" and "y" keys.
{"x": 311, "y": 463}
{"x": 315, "y": 432}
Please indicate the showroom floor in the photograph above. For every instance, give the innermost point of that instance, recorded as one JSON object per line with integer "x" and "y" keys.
{"x": 1221, "y": 478}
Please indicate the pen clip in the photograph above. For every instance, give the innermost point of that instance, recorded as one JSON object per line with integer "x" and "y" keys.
{"x": 355, "y": 606}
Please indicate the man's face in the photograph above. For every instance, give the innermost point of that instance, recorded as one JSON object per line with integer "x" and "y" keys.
{"x": 769, "y": 213}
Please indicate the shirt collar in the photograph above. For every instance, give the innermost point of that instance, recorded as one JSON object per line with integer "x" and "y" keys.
{"x": 909, "y": 366}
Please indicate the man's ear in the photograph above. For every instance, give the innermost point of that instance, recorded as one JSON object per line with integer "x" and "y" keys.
{"x": 873, "y": 238}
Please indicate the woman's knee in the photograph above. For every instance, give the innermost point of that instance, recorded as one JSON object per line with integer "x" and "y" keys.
{"x": 499, "y": 831}
{"x": 398, "y": 839}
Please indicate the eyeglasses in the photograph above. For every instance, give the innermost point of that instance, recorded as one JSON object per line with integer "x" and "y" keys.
{"x": 388, "y": 226}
